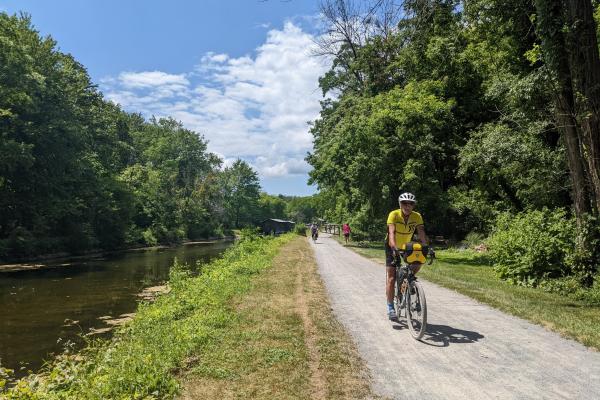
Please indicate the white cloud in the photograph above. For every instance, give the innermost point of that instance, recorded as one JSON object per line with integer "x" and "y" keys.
{"x": 278, "y": 166}
{"x": 255, "y": 107}
{"x": 151, "y": 79}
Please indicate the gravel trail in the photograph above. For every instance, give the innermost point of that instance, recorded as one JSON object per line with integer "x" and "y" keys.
{"x": 470, "y": 350}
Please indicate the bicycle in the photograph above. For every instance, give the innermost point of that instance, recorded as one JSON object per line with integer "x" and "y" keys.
{"x": 315, "y": 236}
{"x": 412, "y": 300}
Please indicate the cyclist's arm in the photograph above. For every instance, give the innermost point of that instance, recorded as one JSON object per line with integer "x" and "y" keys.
{"x": 392, "y": 236}
{"x": 422, "y": 236}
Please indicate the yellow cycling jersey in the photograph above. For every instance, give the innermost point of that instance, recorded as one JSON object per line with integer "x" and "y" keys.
{"x": 404, "y": 230}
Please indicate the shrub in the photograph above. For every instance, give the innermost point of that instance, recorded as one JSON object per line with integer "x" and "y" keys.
{"x": 149, "y": 237}
{"x": 21, "y": 243}
{"x": 4, "y": 249}
{"x": 584, "y": 261}
{"x": 249, "y": 234}
{"x": 571, "y": 286}
{"x": 300, "y": 229}
{"x": 473, "y": 239}
{"x": 531, "y": 246}
{"x": 360, "y": 236}
{"x": 80, "y": 238}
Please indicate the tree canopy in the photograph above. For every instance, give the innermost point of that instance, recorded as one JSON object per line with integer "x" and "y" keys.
{"x": 78, "y": 173}
{"x": 480, "y": 108}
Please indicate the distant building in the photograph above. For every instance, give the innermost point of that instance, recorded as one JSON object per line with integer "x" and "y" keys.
{"x": 276, "y": 226}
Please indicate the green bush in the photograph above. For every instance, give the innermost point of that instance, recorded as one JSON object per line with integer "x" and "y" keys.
{"x": 585, "y": 260}
{"x": 300, "y": 229}
{"x": 80, "y": 238}
{"x": 528, "y": 247}
{"x": 571, "y": 286}
{"x": 21, "y": 243}
{"x": 360, "y": 236}
{"x": 473, "y": 239}
{"x": 4, "y": 249}
{"x": 149, "y": 237}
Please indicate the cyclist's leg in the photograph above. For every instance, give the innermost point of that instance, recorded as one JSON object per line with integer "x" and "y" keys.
{"x": 390, "y": 281}
{"x": 390, "y": 268}
{"x": 416, "y": 267}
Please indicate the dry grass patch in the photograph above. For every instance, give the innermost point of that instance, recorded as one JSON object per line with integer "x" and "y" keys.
{"x": 285, "y": 344}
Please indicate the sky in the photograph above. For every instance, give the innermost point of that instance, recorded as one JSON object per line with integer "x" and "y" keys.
{"x": 239, "y": 72}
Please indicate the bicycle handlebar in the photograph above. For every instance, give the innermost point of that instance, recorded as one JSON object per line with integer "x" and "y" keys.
{"x": 427, "y": 250}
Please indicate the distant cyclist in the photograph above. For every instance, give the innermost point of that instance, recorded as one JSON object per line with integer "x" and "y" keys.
{"x": 314, "y": 231}
{"x": 402, "y": 224}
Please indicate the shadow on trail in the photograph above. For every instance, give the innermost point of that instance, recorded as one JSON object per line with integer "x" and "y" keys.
{"x": 400, "y": 324}
{"x": 443, "y": 335}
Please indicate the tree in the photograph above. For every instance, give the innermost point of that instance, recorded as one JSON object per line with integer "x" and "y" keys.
{"x": 241, "y": 193}
{"x": 568, "y": 34}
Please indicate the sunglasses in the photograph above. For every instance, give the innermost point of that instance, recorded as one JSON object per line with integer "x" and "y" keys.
{"x": 404, "y": 203}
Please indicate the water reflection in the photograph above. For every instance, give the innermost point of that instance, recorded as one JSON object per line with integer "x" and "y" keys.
{"x": 41, "y": 309}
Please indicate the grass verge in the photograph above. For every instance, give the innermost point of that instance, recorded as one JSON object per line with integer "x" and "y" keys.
{"x": 465, "y": 272}
{"x": 285, "y": 344}
{"x": 142, "y": 360}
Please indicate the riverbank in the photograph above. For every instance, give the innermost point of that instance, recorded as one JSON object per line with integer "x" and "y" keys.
{"x": 65, "y": 260}
{"x": 256, "y": 325}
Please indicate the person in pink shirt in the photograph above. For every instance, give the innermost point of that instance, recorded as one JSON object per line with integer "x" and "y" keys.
{"x": 346, "y": 229}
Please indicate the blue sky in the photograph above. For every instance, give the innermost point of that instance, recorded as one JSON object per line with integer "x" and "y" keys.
{"x": 239, "y": 72}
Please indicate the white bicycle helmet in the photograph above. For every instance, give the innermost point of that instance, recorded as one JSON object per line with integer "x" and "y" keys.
{"x": 407, "y": 197}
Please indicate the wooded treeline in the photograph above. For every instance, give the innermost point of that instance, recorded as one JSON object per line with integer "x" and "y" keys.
{"x": 78, "y": 173}
{"x": 487, "y": 110}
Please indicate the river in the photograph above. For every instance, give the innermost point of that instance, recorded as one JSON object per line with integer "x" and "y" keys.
{"x": 42, "y": 310}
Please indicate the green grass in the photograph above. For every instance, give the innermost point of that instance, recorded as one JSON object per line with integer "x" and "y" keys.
{"x": 285, "y": 344}
{"x": 469, "y": 273}
{"x": 144, "y": 358}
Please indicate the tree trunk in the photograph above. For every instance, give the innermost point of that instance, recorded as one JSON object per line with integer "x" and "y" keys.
{"x": 550, "y": 21}
{"x": 584, "y": 60}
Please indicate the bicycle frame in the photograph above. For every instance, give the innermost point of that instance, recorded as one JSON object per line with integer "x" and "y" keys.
{"x": 415, "y": 313}
{"x": 404, "y": 274}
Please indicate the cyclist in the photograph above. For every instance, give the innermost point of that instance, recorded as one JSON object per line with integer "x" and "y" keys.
{"x": 402, "y": 225}
{"x": 314, "y": 231}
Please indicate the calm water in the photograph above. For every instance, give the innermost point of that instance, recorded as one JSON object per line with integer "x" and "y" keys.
{"x": 37, "y": 308}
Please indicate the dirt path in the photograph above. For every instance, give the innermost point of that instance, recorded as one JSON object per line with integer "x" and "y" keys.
{"x": 317, "y": 380}
{"x": 470, "y": 350}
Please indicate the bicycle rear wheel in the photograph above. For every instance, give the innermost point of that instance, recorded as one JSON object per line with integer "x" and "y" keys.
{"x": 416, "y": 311}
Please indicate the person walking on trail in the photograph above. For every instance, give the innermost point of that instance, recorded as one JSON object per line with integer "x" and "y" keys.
{"x": 346, "y": 229}
{"x": 402, "y": 225}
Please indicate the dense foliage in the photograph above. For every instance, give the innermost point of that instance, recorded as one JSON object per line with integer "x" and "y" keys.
{"x": 78, "y": 173}
{"x": 532, "y": 246}
{"x": 464, "y": 104}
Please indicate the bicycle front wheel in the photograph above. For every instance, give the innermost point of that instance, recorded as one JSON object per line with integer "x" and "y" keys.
{"x": 416, "y": 312}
